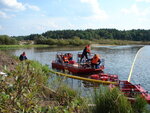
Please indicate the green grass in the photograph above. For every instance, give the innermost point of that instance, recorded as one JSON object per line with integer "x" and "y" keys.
{"x": 21, "y": 46}
{"x": 120, "y": 42}
{"x": 78, "y": 42}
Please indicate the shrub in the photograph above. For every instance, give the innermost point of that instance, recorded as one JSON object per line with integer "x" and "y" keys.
{"x": 20, "y": 90}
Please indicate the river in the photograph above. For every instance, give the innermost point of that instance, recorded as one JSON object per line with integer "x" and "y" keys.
{"x": 118, "y": 60}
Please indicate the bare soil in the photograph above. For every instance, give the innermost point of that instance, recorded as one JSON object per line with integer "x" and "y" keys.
{"x": 7, "y": 62}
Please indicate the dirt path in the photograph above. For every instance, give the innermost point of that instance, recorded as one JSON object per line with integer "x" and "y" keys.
{"x": 7, "y": 62}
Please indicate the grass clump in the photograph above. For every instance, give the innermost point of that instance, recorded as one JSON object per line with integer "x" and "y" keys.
{"x": 110, "y": 101}
{"x": 140, "y": 105}
{"x": 114, "y": 101}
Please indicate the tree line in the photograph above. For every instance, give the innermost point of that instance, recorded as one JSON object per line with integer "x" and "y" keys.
{"x": 90, "y": 34}
{"x": 6, "y": 40}
{"x": 67, "y": 37}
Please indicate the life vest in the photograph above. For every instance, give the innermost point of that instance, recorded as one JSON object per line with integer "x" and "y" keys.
{"x": 95, "y": 60}
{"x": 65, "y": 58}
{"x": 88, "y": 49}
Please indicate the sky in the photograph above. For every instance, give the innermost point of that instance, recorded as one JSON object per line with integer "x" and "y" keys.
{"x": 25, "y": 17}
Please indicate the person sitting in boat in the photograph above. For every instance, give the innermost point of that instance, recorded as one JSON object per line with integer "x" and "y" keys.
{"x": 95, "y": 61}
{"x": 87, "y": 50}
{"x": 59, "y": 59}
{"x": 70, "y": 57}
{"x": 23, "y": 56}
{"x": 65, "y": 58}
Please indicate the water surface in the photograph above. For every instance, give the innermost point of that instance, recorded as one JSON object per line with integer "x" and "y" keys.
{"x": 118, "y": 60}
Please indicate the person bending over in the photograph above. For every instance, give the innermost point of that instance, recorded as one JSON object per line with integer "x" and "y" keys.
{"x": 86, "y": 51}
{"x": 23, "y": 56}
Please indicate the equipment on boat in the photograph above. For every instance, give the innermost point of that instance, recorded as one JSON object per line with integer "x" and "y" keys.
{"x": 105, "y": 77}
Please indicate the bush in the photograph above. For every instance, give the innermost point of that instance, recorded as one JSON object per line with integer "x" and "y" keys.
{"x": 20, "y": 90}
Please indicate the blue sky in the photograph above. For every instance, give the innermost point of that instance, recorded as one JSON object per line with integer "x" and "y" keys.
{"x": 25, "y": 17}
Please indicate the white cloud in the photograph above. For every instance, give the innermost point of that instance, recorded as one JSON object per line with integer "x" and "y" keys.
{"x": 33, "y": 7}
{"x": 132, "y": 10}
{"x": 136, "y": 11}
{"x": 45, "y": 24}
{"x": 143, "y": 0}
{"x": 16, "y": 6}
{"x": 13, "y": 4}
{"x": 3, "y": 15}
{"x": 98, "y": 13}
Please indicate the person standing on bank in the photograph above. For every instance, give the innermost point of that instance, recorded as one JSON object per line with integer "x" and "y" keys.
{"x": 23, "y": 56}
{"x": 87, "y": 50}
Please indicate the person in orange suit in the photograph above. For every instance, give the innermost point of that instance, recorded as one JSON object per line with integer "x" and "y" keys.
{"x": 87, "y": 50}
{"x": 95, "y": 61}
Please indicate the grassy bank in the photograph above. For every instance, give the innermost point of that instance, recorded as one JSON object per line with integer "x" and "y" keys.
{"x": 21, "y": 46}
{"x": 30, "y": 46}
{"x": 77, "y": 42}
{"x": 119, "y": 42}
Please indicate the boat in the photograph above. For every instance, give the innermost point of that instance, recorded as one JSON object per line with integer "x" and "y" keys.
{"x": 131, "y": 91}
{"x": 75, "y": 67}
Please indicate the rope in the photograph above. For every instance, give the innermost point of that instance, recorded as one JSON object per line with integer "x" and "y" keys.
{"x": 131, "y": 70}
{"x": 84, "y": 79}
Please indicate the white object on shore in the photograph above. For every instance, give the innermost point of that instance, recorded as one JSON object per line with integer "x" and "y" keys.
{"x": 2, "y": 73}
